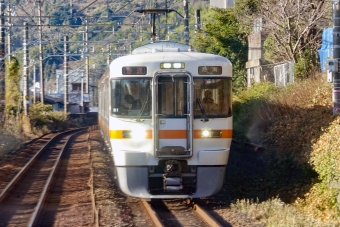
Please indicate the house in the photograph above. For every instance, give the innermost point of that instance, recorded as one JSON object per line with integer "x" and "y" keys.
{"x": 79, "y": 101}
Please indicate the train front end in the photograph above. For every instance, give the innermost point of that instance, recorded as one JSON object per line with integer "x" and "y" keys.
{"x": 170, "y": 124}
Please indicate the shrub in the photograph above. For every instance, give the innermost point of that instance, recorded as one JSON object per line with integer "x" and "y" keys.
{"x": 10, "y": 136}
{"x": 42, "y": 115}
{"x": 249, "y": 110}
{"x": 13, "y": 95}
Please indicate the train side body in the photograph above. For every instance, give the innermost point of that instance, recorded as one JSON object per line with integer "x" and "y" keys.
{"x": 166, "y": 115}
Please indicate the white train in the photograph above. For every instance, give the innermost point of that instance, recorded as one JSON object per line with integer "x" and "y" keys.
{"x": 165, "y": 111}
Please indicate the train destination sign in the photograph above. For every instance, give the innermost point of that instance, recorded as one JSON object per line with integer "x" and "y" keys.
{"x": 134, "y": 70}
{"x": 209, "y": 70}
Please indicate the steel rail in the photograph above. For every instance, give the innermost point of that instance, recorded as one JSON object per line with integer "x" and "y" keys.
{"x": 153, "y": 215}
{"x": 18, "y": 176}
{"x": 37, "y": 210}
{"x": 206, "y": 216}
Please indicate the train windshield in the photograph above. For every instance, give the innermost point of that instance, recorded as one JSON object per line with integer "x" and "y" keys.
{"x": 212, "y": 97}
{"x": 131, "y": 97}
{"x": 172, "y": 96}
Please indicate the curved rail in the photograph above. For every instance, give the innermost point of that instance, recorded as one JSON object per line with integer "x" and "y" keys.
{"x": 17, "y": 177}
{"x": 37, "y": 210}
{"x": 54, "y": 159}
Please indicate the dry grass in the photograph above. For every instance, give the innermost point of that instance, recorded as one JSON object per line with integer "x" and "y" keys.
{"x": 11, "y": 136}
{"x": 300, "y": 164}
{"x": 274, "y": 213}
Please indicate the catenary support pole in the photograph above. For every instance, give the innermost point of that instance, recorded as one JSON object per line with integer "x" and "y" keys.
{"x": 108, "y": 59}
{"x": 82, "y": 93}
{"x": 34, "y": 81}
{"x": 197, "y": 20}
{"x": 87, "y": 62}
{"x": 336, "y": 55}
{"x": 2, "y": 54}
{"x": 186, "y": 22}
{"x": 42, "y": 80}
{"x": 9, "y": 32}
{"x": 66, "y": 50}
{"x": 25, "y": 71}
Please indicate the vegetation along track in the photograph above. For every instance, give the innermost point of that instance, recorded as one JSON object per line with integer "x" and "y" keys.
{"x": 22, "y": 198}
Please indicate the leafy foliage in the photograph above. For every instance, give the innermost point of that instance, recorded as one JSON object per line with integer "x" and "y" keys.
{"x": 306, "y": 63}
{"x": 247, "y": 113}
{"x": 221, "y": 35}
{"x": 13, "y": 94}
{"x": 325, "y": 159}
{"x": 300, "y": 163}
{"x": 42, "y": 115}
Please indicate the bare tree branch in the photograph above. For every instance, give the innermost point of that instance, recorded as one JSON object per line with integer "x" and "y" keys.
{"x": 294, "y": 24}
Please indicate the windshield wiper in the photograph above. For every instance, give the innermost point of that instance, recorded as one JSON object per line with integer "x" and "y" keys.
{"x": 205, "y": 119}
{"x": 143, "y": 107}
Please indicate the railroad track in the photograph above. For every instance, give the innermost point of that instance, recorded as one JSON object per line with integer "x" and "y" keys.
{"x": 83, "y": 193}
{"x": 22, "y": 198}
{"x": 179, "y": 212}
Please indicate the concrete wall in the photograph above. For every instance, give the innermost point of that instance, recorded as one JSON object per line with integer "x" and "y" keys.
{"x": 222, "y": 3}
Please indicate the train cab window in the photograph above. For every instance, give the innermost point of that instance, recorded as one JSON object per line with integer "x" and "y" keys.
{"x": 212, "y": 97}
{"x": 131, "y": 97}
{"x": 172, "y": 96}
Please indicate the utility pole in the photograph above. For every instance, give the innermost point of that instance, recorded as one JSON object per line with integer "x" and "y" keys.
{"x": 153, "y": 27}
{"x": 197, "y": 20}
{"x": 71, "y": 6}
{"x": 86, "y": 58}
{"x": 166, "y": 21}
{"x": 186, "y": 22}
{"x": 108, "y": 60}
{"x": 34, "y": 81}
{"x": 66, "y": 50}
{"x": 42, "y": 82}
{"x": 82, "y": 93}
{"x": 9, "y": 32}
{"x": 2, "y": 53}
{"x": 25, "y": 71}
{"x": 336, "y": 56}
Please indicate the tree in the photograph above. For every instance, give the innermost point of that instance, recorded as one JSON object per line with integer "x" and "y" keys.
{"x": 13, "y": 94}
{"x": 221, "y": 35}
{"x": 293, "y": 27}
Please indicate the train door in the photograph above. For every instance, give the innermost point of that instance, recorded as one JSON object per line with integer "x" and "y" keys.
{"x": 173, "y": 118}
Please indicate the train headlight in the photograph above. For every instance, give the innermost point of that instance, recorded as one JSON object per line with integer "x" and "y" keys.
{"x": 178, "y": 65}
{"x": 166, "y": 66}
{"x": 207, "y": 133}
{"x": 172, "y": 65}
{"x": 136, "y": 134}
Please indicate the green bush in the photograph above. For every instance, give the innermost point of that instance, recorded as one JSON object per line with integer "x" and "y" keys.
{"x": 249, "y": 109}
{"x": 42, "y": 115}
{"x": 13, "y": 95}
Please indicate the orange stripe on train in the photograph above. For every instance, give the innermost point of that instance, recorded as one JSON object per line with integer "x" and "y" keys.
{"x": 170, "y": 134}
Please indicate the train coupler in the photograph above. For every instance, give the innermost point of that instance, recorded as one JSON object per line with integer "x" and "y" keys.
{"x": 172, "y": 180}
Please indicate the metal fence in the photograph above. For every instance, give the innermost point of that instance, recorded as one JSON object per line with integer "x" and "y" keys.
{"x": 281, "y": 74}
{"x": 284, "y": 74}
